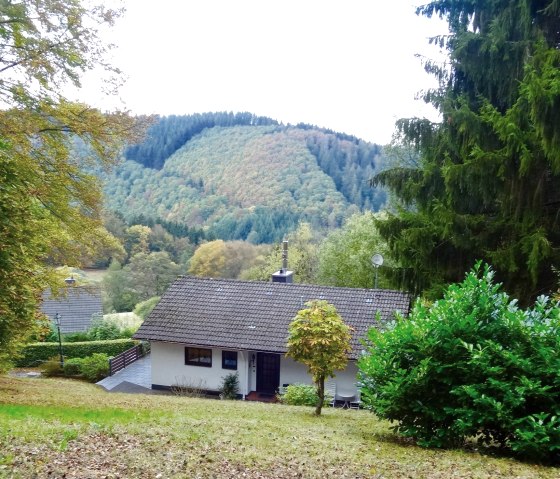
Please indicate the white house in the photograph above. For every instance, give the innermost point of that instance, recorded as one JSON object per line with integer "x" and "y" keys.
{"x": 203, "y": 329}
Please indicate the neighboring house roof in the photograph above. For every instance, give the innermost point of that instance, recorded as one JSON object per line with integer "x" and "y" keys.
{"x": 76, "y": 305}
{"x": 250, "y": 315}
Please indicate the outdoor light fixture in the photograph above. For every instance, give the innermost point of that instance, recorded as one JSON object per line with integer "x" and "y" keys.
{"x": 70, "y": 281}
{"x": 57, "y": 322}
{"x": 252, "y": 363}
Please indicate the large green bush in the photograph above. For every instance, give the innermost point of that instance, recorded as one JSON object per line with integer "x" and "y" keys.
{"x": 472, "y": 365}
{"x": 299, "y": 395}
{"x": 114, "y": 326}
{"x": 73, "y": 367}
{"x": 35, "y": 354}
{"x": 95, "y": 367}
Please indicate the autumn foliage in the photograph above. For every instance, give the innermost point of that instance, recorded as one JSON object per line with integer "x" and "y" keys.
{"x": 320, "y": 339}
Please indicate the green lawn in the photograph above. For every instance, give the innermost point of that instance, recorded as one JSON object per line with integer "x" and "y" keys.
{"x": 64, "y": 428}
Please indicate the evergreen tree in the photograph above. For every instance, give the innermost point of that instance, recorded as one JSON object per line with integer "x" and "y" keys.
{"x": 486, "y": 183}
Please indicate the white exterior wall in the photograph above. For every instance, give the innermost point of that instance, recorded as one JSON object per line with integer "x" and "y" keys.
{"x": 169, "y": 368}
{"x": 292, "y": 372}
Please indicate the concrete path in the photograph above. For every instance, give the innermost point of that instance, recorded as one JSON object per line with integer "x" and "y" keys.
{"x": 137, "y": 375}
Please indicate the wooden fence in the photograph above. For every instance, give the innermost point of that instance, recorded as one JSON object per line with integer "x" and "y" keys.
{"x": 125, "y": 358}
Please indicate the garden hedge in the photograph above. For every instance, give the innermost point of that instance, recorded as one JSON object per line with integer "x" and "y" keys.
{"x": 35, "y": 354}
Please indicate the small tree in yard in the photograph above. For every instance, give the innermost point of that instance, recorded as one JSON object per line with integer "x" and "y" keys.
{"x": 320, "y": 340}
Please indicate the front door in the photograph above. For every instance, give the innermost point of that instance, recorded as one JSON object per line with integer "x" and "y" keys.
{"x": 268, "y": 373}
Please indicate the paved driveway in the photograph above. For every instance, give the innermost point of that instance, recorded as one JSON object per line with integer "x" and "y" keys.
{"x": 134, "y": 378}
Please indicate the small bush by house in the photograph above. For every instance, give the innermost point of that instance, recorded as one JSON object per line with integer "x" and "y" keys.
{"x": 301, "y": 395}
{"x": 230, "y": 386}
{"x": 73, "y": 367}
{"x": 95, "y": 367}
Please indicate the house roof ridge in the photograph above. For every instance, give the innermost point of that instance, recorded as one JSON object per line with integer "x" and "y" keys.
{"x": 254, "y": 282}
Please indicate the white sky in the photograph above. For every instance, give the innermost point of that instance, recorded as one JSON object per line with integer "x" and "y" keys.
{"x": 348, "y": 65}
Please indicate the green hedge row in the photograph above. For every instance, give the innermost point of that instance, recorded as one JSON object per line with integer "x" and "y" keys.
{"x": 35, "y": 354}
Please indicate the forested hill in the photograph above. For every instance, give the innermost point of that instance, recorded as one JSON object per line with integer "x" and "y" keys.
{"x": 169, "y": 133}
{"x": 250, "y": 178}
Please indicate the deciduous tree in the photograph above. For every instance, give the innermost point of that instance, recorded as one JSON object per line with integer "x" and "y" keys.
{"x": 150, "y": 274}
{"x": 224, "y": 259}
{"x": 136, "y": 239}
{"x": 319, "y": 338}
{"x": 302, "y": 258}
{"x": 50, "y": 204}
{"x": 345, "y": 255}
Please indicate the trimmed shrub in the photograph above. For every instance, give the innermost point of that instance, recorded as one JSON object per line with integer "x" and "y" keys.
{"x": 36, "y": 354}
{"x": 95, "y": 367}
{"x": 472, "y": 365}
{"x": 73, "y": 367}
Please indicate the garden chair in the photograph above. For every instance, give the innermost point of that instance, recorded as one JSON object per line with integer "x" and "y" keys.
{"x": 356, "y": 403}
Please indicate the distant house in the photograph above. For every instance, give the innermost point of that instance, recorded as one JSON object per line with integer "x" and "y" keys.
{"x": 203, "y": 329}
{"x": 76, "y": 306}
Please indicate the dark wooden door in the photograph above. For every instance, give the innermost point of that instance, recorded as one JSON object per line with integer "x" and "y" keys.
{"x": 268, "y": 373}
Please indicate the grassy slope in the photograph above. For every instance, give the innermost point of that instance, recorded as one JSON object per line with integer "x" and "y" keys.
{"x": 95, "y": 275}
{"x": 63, "y": 427}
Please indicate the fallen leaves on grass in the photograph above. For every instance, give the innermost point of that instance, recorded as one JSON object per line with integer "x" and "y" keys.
{"x": 63, "y": 429}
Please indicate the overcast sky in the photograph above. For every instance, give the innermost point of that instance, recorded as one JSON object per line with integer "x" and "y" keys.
{"x": 348, "y": 65}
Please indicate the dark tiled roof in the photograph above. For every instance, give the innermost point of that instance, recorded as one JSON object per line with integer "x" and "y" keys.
{"x": 254, "y": 315}
{"x": 76, "y": 306}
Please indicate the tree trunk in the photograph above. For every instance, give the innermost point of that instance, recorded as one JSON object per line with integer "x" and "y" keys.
{"x": 320, "y": 394}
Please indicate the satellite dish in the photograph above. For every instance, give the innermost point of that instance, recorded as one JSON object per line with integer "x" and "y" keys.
{"x": 377, "y": 260}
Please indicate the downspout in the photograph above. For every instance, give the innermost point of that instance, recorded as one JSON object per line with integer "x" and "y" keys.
{"x": 246, "y": 373}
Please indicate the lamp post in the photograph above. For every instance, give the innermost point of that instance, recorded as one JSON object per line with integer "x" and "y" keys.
{"x": 57, "y": 321}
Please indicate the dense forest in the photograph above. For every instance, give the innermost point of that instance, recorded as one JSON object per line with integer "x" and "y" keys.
{"x": 169, "y": 133}
{"x": 239, "y": 176}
